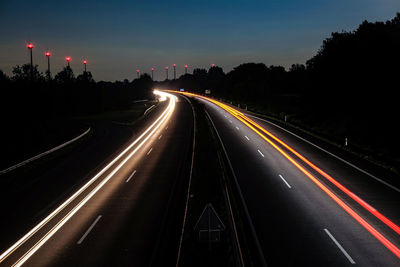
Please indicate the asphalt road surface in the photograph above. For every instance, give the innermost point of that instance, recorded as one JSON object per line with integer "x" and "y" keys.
{"x": 129, "y": 213}
{"x": 297, "y": 223}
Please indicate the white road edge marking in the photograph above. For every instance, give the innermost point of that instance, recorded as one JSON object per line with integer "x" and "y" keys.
{"x": 44, "y": 153}
{"x": 260, "y": 153}
{"x": 340, "y": 247}
{"x": 329, "y": 153}
{"x": 159, "y": 137}
{"x": 147, "y": 110}
{"x": 88, "y": 230}
{"x": 247, "y": 138}
{"x": 246, "y": 211}
{"x": 149, "y": 151}
{"x": 283, "y": 179}
{"x": 129, "y": 178}
{"x": 156, "y": 124}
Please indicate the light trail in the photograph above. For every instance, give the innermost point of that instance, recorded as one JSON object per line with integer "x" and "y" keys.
{"x": 259, "y": 129}
{"x": 145, "y": 136}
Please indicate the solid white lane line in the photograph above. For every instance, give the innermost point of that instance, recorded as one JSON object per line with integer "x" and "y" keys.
{"x": 340, "y": 247}
{"x": 237, "y": 128}
{"x": 329, "y": 153}
{"x": 133, "y": 173}
{"x": 49, "y": 234}
{"x": 149, "y": 151}
{"x": 283, "y": 179}
{"x": 246, "y": 211}
{"x": 260, "y": 153}
{"x": 159, "y": 137}
{"x": 88, "y": 230}
{"x": 147, "y": 110}
{"x": 44, "y": 153}
{"x": 247, "y": 138}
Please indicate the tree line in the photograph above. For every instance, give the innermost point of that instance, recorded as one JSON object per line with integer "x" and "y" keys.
{"x": 347, "y": 90}
{"x": 65, "y": 95}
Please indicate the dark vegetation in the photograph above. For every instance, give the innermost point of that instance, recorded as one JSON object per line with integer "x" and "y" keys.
{"x": 39, "y": 112}
{"x": 348, "y": 90}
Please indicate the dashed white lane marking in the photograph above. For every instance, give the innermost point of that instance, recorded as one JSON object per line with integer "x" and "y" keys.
{"x": 149, "y": 151}
{"x": 230, "y": 121}
{"x": 340, "y": 247}
{"x": 247, "y": 138}
{"x": 333, "y": 155}
{"x": 283, "y": 179}
{"x": 88, "y": 230}
{"x": 237, "y": 128}
{"x": 130, "y": 176}
{"x": 260, "y": 153}
{"x": 159, "y": 137}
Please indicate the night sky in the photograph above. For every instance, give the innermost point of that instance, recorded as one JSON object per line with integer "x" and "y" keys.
{"x": 118, "y": 37}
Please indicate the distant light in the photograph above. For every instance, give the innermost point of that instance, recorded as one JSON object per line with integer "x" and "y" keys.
{"x": 47, "y": 54}
{"x": 152, "y": 69}
{"x": 85, "y": 62}
{"x": 174, "y": 65}
{"x": 30, "y": 45}
{"x": 68, "y": 59}
{"x": 186, "y": 66}
{"x": 166, "y": 68}
{"x": 213, "y": 65}
{"x": 137, "y": 71}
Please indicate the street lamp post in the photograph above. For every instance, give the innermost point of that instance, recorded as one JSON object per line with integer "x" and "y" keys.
{"x": 174, "y": 71}
{"x": 84, "y": 64}
{"x": 48, "y": 54}
{"x": 30, "y": 47}
{"x": 152, "y": 73}
{"x": 186, "y": 66}
{"x": 68, "y": 59}
{"x": 166, "y": 72}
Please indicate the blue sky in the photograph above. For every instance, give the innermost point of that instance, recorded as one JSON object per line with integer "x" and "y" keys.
{"x": 118, "y": 37}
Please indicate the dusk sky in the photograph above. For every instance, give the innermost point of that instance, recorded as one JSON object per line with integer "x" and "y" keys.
{"x": 118, "y": 37}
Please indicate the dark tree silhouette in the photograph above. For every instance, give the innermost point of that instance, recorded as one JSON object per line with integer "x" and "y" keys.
{"x": 23, "y": 73}
{"x": 86, "y": 76}
{"x": 65, "y": 76}
{"x": 3, "y": 77}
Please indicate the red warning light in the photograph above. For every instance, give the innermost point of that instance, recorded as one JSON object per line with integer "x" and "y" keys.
{"x": 30, "y": 45}
{"x": 47, "y": 54}
{"x": 174, "y": 65}
{"x": 186, "y": 66}
{"x": 85, "y": 62}
{"x": 152, "y": 69}
{"x": 166, "y": 68}
{"x": 68, "y": 59}
{"x": 213, "y": 65}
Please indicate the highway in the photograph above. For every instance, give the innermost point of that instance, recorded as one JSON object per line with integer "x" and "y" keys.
{"x": 129, "y": 213}
{"x": 308, "y": 207}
